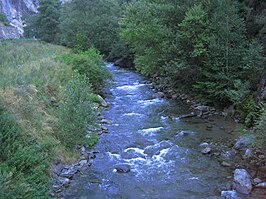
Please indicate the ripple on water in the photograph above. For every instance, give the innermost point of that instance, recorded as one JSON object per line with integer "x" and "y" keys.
{"x": 133, "y": 114}
{"x": 130, "y": 87}
{"x": 150, "y": 131}
{"x": 150, "y": 102}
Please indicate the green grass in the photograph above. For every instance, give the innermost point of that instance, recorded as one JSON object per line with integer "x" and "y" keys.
{"x": 44, "y": 107}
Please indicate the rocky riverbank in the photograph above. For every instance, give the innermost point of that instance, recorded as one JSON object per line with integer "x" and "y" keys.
{"x": 62, "y": 175}
{"x": 243, "y": 156}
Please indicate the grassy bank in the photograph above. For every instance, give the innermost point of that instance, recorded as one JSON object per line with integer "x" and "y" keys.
{"x": 45, "y": 104}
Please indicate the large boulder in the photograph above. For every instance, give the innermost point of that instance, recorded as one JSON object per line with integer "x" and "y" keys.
{"x": 242, "y": 181}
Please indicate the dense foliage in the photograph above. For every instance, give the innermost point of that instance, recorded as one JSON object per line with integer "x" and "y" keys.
{"x": 84, "y": 24}
{"x": 197, "y": 44}
{"x": 45, "y": 25}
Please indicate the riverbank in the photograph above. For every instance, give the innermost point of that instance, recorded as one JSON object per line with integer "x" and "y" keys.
{"x": 45, "y": 104}
{"x": 242, "y": 152}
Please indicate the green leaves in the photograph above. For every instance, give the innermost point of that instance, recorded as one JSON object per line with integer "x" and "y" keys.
{"x": 90, "y": 23}
{"x": 47, "y": 20}
{"x": 199, "y": 44}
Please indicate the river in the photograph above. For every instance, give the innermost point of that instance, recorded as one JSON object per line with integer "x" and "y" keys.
{"x": 161, "y": 150}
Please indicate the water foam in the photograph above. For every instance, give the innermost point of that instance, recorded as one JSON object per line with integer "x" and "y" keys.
{"x": 150, "y": 131}
{"x": 132, "y": 114}
{"x": 150, "y": 102}
{"x": 130, "y": 87}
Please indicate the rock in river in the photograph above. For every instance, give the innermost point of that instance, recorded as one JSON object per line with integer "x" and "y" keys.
{"x": 229, "y": 195}
{"x": 206, "y": 150}
{"x": 122, "y": 168}
{"x": 242, "y": 181}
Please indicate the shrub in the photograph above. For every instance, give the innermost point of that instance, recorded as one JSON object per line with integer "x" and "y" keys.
{"x": 90, "y": 64}
{"x": 75, "y": 111}
{"x": 24, "y": 167}
{"x": 3, "y": 19}
{"x": 261, "y": 128}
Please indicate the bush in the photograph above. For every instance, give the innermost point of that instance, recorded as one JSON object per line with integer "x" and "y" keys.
{"x": 75, "y": 111}
{"x": 24, "y": 167}
{"x": 3, "y": 19}
{"x": 261, "y": 128}
{"x": 90, "y": 64}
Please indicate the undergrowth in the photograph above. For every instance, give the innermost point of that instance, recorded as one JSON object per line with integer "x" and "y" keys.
{"x": 44, "y": 107}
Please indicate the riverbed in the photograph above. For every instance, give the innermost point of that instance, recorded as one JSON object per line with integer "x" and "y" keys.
{"x": 149, "y": 152}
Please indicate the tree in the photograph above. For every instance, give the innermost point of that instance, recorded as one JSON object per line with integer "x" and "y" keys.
{"x": 87, "y": 23}
{"x": 46, "y": 24}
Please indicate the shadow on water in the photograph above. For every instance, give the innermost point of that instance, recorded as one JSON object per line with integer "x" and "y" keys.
{"x": 145, "y": 138}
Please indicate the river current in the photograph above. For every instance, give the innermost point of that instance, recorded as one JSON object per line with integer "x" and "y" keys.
{"x": 161, "y": 150}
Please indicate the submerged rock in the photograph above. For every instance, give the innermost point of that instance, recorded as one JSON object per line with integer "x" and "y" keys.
{"x": 122, "y": 168}
{"x": 184, "y": 133}
{"x": 242, "y": 181}
{"x": 155, "y": 149}
{"x": 229, "y": 195}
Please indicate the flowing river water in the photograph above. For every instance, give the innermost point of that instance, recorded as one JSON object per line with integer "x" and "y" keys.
{"x": 161, "y": 150}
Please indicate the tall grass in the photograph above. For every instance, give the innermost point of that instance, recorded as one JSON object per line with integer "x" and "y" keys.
{"x": 44, "y": 107}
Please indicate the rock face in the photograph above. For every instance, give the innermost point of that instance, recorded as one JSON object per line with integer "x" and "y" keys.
{"x": 242, "y": 181}
{"x": 7, "y": 32}
{"x": 14, "y": 11}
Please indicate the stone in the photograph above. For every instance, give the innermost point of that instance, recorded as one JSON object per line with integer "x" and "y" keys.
{"x": 63, "y": 181}
{"x": 226, "y": 164}
{"x": 184, "y": 133}
{"x": 68, "y": 173}
{"x": 58, "y": 168}
{"x": 257, "y": 180}
{"x": 160, "y": 94}
{"x": 103, "y": 102}
{"x": 204, "y": 144}
{"x": 155, "y": 149}
{"x": 242, "y": 181}
{"x": 243, "y": 142}
{"x": 206, "y": 150}
{"x": 122, "y": 168}
{"x": 104, "y": 128}
{"x": 105, "y": 121}
{"x": 175, "y": 96}
{"x": 202, "y": 108}
{"x": 229, "y": 195}
{"x": 261, "y": 185}
{"x": 248, "y": 153}
{"x": 83, "y": 162}
{"x": 228, "y": 154}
